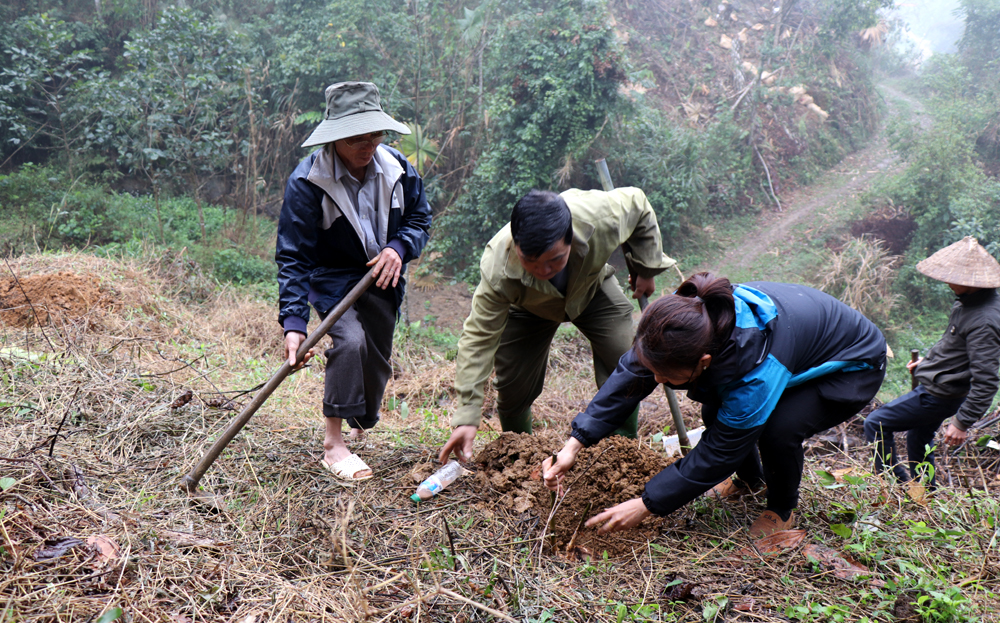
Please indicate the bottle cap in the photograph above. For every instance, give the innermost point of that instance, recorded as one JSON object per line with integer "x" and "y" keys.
{"x": 416, "y": 498}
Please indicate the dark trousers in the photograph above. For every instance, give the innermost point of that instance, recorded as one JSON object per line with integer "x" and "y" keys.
{"x": 523, "y": 353}
{"x": 918, "y": 412}
{"x": 802, "y": 412}
{"x": 357, "y": 363}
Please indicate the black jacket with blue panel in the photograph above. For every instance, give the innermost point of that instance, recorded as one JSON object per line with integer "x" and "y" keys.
{"x": 320, "y": 253}
{"x": 784, "y": 335}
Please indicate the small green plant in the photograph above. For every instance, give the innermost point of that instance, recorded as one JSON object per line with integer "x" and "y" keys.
{"x": 713, "y": 608}
{"x": 813, "y": 611}
{"x": 943, "y": 606}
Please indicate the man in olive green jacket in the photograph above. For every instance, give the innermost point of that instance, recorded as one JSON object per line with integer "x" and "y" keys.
{"x": 549, "y": 266}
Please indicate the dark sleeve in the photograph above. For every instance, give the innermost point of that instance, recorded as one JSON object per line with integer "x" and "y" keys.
{"x": 615, "y": 401}
{"x": 721, "y": 450}
{"x": 295, "y": 251}
{"x": 413, "y": 232}
{"x": 983, "y": 345}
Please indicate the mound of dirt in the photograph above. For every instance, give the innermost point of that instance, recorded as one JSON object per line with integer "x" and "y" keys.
{"x": 613, "y": 471}
{"x": 53, "y": 297}
{"x": 893, "y": 227}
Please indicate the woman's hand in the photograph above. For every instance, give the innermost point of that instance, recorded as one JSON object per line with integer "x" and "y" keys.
{"x": 954, "y": 435}
{"x": 622, "y": 517}
{"x": 554, "y": 472}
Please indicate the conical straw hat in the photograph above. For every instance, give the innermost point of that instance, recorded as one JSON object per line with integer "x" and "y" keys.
{"x": 965, "y": 263}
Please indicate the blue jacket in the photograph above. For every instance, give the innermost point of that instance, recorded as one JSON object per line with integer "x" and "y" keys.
{"x": 320, "y": 253}
{"x": 784, "y": 335}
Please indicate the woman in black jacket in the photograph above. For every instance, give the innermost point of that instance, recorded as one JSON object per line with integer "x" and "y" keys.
{"x": 771, "y": 363}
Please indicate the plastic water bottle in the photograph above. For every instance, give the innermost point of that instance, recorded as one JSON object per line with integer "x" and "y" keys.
{"x": 438, "y": 481}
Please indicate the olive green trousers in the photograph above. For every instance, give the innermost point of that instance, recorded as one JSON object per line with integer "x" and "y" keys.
{"x": 523, "y": 354}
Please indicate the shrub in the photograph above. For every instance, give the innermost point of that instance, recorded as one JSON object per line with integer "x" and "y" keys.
{"x": 240, "y": 268}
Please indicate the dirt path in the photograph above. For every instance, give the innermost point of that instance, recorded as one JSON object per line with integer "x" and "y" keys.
{"x": 816, "y": 208}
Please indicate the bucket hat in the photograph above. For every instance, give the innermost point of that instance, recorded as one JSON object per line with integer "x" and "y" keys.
{"x": 352, "y": 108}
{"x": 965, "y": 263}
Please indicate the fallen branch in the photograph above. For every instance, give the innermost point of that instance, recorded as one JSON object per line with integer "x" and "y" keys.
{"x": 476, "y": 604}
{"x": 768, "y": 172}
{"x": 69, "y": 407}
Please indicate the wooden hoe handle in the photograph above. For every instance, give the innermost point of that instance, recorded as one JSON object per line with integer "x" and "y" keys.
{"x": 190, "y": 482}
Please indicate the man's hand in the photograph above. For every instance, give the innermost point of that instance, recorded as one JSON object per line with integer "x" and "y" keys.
{"x": 911, "y": 365}
{"x": 622, "y": 517}
{"x": 388, "y": 267}
{"x": 554, "y": 472}
{"x": 954, "y": 436}
{"x": 460, "y": 443}
{"x": 641, "y": 286}
{"x": 294, "y": 339}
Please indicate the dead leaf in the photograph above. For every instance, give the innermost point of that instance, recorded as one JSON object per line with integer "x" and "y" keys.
{"x": 711, "y": 23}
{"x": 917, "y": 492}
{"x": 742, "y": 35}
{"x": 177, "y": 617}
{"x": 780, "y": 541}
{"x": 726, "y": 42}
{"x": 840, "y": 473}
{"x": 842, "y": 566}
{"x": 758, "y": 26}
{"x": 220, "y": 403}
{"x": 182, "y": 400}
{"x": 746, "y": 605}
{"x": 186, "y": 539}
{"x": 107, "y": 549}
{"x": 54, "y": 548}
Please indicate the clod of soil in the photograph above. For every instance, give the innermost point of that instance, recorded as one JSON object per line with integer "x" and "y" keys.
{"x": 55, "y": 297}
{"x": 613, "y": 471}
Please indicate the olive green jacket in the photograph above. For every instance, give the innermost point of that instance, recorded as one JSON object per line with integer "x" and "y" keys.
{"x": 602, "y": 221}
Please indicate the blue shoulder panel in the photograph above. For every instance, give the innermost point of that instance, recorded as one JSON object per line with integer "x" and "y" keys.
{"x": 828, "y": 368}
{"x": 749, "y": 401}
{"x": 753, "y": 308}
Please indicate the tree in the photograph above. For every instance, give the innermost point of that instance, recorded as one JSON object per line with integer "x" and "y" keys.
{"x": 556, "y": 69}
{"x": 183, "y": 107}
{"x": 42, "y": 70}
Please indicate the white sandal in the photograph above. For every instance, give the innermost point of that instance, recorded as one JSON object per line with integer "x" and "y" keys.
{"x": 347, "y": 468}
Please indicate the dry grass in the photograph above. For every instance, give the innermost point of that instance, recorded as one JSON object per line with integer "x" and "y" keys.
{"x": 861, "y": 275}
{"x": 93, "y": 448}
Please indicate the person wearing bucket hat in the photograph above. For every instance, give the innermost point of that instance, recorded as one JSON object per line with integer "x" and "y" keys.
{"x": 351, "y": 205}
{"x": 958, "y": 377}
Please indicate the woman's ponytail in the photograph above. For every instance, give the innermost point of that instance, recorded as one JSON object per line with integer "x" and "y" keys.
{"x": 677, "y": 329}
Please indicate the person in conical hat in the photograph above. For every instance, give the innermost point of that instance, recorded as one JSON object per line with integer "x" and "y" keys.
{"x": 958, "y": 378}
{"x": 351, "y": 205}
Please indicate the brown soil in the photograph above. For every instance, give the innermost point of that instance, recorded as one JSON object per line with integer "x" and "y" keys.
{"x": 613, "y": 471}
{"x": 53, "y": 297}
{"x": 437, "y": 303}
{"x": 893, "y": 227}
